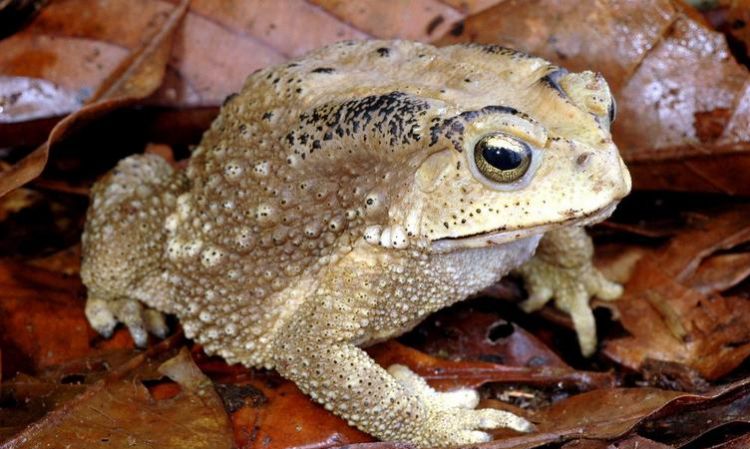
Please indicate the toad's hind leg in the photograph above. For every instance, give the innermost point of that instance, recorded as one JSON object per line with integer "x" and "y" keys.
{"x": 104, "y": 314}
{"x": 123, "y": 242}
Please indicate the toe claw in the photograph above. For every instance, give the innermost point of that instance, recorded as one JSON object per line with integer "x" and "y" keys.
{"x": 536, "y": 300}
{"x": 139, "y": 334}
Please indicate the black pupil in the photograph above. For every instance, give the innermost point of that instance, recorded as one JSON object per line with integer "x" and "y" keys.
{"x": 502, "y": 158}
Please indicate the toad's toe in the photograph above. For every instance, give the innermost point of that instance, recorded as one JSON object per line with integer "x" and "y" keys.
{"x": 489, "y": 418}
{"x": 155, "y": 323}
{"x": 100, "y": 316}
{"x": 104, "y": 315}
{"x": 463, "y": 398}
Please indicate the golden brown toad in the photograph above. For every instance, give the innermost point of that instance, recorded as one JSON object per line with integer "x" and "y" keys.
{"x": 339, "y": 199}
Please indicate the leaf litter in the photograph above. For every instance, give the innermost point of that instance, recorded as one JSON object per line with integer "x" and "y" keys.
{"x": 671, "y": 347}
{"x": 119, "y": 411}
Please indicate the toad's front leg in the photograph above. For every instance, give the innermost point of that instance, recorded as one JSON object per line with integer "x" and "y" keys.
{"x": 316, "y": 351}
{"x": 562, "y": 269}
{"x": 349, "y": 383}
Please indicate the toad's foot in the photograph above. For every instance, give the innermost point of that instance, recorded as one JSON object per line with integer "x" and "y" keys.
{"x": 465, "y": 398}
{"x": 104, "y": 316}
{"x": 458, "y": 407}
{"x": 562, "y": 269}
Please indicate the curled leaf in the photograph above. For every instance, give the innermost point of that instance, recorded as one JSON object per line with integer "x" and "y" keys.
{"x": 135, "y": 78}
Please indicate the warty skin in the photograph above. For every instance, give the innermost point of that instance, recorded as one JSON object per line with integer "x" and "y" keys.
{"x": 339, "y": 199}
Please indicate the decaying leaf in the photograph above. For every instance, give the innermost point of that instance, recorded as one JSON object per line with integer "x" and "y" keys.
{"x": 446, "y": 374}
{"x": 119, "y": 412}
{"x": 268, "y": 411}
{"x": 684, "y": 100}
{"x": 137, "y": 77}
{"x": 720, "y": 272}
{"x": 419, "y": 20}
{"x": 472, "y": 335}
{"x": 23, "y": 99}
{"x": 615, "y": 414}
{"x": 29, "y": 338}
{"x": 671, "y": 322}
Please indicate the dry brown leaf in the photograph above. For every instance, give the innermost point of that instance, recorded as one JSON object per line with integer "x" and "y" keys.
{"x": 77, "y": 53}
{"x": 121, "y": 413}
{"x": 690, "y": 420}
{"x": 138, "y": 76}
{"x": 271, "y": 412}
{"x": 614, "y": 413}
{"x": 738, "y": 19}
{"x": 23, "y": 99}
{"x": 636, "y": 442}
{"x": 665, "y": 416}
{"x": 663, "y": 105}
{"x": 740, "y": 442}
{"x": 420, "y": 20}
{"x": 603, "y": 413}
{"x": 577, "y": 35}
{"x": 670, "y": 322}
{"x": 289, "y": 27}
{"x": 721, "y": 272}
{"x": 30, "y": 339}
{"x": 28, "y": 399}
{"x": 681, "y": 258}
{"x": 447, "y": 374}
{"x": 724, "y": 174}
{"x": 586, "y": 444}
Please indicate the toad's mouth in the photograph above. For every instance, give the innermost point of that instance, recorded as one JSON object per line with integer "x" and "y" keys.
{"x": 500, "y": 237}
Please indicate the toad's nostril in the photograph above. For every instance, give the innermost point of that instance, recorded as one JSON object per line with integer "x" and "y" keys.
{"x": 583, "y": 159}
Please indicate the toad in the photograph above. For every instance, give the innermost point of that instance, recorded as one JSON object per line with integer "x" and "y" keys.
{"x": 340, "y": 198}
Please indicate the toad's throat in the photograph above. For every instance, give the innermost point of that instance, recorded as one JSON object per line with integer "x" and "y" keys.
{"x": 503, "y": 236}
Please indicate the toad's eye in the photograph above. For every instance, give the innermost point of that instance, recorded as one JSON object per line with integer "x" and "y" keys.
{"x": 501, "y": 158}
{"x": 612, "y": 110}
